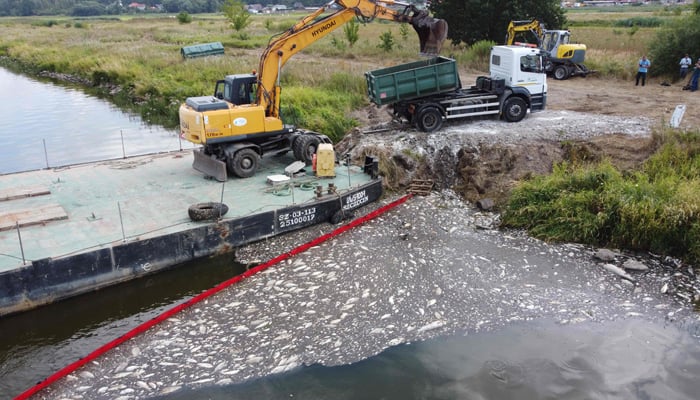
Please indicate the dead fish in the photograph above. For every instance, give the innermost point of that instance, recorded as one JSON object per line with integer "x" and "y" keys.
{"x": 431, "y": 326}
{"x": 618, "y": 271}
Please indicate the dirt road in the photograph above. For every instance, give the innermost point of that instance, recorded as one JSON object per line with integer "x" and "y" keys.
{"x": 622, "y": 98}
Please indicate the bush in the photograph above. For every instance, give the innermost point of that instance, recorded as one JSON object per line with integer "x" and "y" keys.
{"x": 672, "y": 42}
{"x": 655, "y": 209}
{"x": 184, "y": 18}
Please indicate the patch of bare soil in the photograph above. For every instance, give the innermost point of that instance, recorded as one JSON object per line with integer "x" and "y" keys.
{"x": 586, "y": 119}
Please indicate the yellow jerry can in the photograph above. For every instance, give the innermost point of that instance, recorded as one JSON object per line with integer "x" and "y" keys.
{"x": 325, "y": 160}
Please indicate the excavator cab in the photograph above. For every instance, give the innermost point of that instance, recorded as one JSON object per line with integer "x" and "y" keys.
{"x": 558, "y": 44}
{"x": 237, "y": 89}
{"x": 432, "y": 32}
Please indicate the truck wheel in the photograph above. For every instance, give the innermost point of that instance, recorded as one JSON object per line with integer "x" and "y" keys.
{"x": 244, "y": 163}
{"x": 514, "y": 109}
{"x": 305, "y": 147}
{"x": 561, "y": 72}
{"x": 429, "y": 119}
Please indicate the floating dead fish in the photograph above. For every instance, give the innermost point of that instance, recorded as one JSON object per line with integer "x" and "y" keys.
{"x": 431, "y": 326}
{"x": 618, "y": 271}
{"x": 634, "y": 265}
{"x": 605, "y": 255}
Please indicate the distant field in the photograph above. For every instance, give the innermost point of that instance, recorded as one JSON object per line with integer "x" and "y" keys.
{"x": 143, "y": 53}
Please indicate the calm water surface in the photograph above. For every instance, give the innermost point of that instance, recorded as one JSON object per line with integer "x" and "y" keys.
{"x": 633, "y": 359}
{"x": 72, "y": 127}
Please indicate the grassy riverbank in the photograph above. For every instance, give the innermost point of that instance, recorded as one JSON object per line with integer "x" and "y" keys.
{"x": 656, "y": 208}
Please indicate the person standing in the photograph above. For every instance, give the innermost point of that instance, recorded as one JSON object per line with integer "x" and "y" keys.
{"x": 644, "y": 65}
{"x": 685, "y": 64}
{"x": 693, "y": 86}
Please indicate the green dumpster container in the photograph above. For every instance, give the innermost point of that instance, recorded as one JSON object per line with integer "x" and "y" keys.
{"x": 202, "y": 50}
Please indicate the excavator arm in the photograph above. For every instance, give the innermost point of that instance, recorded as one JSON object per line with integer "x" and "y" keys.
{"x": 533, "y": 26}
{"x": 431, "y": 32}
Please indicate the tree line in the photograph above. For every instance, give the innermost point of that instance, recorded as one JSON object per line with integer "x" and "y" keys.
{"x": 82, "y": 8}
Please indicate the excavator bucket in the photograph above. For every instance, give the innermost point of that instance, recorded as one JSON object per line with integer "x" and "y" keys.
{"x": 209, "y": 165}
{"x": 432, "y": 32}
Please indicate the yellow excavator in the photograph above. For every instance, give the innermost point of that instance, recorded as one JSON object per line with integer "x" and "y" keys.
{"x": 241, "y": 122}
{"x": 563, "y": 59}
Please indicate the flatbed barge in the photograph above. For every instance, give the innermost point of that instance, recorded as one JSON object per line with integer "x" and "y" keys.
{"x": 72, "y": 230}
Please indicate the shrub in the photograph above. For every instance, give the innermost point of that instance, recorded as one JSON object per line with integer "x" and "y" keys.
{"x": 386, "y": 41}
{"x": 655, "y": 209}
{"x": 184, "y": 18}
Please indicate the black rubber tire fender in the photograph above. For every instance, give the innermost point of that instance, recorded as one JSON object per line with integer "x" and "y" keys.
{"x": 207, "y": 211}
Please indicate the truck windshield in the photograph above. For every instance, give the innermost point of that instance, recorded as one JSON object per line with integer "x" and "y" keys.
{"x": 530, "y": 63}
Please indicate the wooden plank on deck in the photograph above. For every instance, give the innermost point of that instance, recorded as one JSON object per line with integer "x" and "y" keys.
{"x": 34, "y": 216}
{"x": 23, "y": 191}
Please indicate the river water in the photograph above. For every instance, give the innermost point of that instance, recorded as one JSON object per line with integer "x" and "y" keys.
{"x": 632, "y": 359}
{"x": 47, "y": 125}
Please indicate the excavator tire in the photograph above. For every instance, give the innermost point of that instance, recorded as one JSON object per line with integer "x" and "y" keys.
{"x": 304, "y": 147}
{"x": 561, "y": 72}
{"x": 206, "y": 211}
{"x": 244, "y": 163}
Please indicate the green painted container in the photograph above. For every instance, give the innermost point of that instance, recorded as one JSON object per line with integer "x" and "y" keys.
{"x": 202, "y": 50}
{"x": 412, "y": 80}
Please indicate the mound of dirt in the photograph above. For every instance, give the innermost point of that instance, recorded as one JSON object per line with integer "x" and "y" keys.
{"x": 586, "y": 119}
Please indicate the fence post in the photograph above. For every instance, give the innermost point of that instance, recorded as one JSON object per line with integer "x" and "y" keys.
{"x": 121, "y": 133}
{"x": 21, "y": 248}
{"x": 121, "y": 222}
{"x": 46, "y": 155}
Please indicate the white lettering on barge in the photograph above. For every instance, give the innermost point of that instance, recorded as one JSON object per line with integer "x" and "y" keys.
{"x": 355, "y": 200}
{"x": 297, "y": 217}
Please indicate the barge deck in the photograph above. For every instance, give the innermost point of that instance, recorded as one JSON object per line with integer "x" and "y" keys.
{"x": 76, "y": 229}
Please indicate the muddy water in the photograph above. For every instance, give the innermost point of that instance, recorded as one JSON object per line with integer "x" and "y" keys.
{"x": 633, "y": 359}
{"x": 35, "y": 344}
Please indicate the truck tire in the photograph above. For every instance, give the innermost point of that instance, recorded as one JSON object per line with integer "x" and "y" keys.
{"x": 206, "y": 211}
{"x": 244, "y": 163}
{"x": 514, "y": 109}
{"x": 429, "y": 119}
{"x": 304, "y": 147}
{"x": 561, "y": 72}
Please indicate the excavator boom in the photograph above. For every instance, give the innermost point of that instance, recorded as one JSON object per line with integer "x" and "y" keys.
{"x": 432, "y": 33}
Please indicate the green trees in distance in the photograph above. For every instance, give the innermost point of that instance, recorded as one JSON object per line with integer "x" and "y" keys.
{"x": 23, "y": 8}
{"x": 471, "y": 21}
{"x": 673, "y": 41}
{"x": 236, "y": 14}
